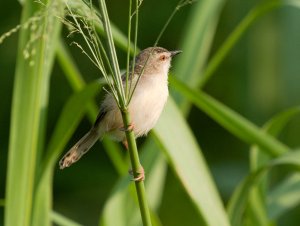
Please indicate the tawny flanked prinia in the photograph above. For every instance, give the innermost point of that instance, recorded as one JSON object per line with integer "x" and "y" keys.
{"x": 145, "y": 107}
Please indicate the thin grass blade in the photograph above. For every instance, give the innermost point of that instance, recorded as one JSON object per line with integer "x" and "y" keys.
{"x": 284, "y": 197}
{"x": 61, "y": 220}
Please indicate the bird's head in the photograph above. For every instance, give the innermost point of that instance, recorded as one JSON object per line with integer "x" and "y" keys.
{"x": 156, "y": 60}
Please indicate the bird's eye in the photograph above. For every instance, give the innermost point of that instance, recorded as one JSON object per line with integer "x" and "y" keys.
{"x": 162, "y": 57}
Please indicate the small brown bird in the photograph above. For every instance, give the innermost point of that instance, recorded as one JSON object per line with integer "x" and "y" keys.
{"x": 145, "y": 107}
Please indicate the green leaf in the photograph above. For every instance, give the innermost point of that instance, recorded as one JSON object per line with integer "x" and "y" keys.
{"x": 29, "y": 107}
{"x": 238, "y": 201}
{"x": 184, "y": 155}
{"x": 230, "y": 120}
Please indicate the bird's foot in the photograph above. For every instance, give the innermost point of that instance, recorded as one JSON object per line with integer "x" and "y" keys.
{"x": 140, "y": 174}
{"x": 129, "y": 128}
{"x": 125, "y": 143}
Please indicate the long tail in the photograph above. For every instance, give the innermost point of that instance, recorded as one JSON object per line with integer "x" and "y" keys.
{"x": 79, "y": 149}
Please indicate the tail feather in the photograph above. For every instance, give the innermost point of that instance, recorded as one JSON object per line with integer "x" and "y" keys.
{"x": 79, "y": 149}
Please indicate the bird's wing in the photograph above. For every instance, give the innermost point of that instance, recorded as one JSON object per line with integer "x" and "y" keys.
{"x": 99, "y": 118}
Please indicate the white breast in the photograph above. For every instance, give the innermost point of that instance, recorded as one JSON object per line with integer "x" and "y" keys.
{"x": 147, "y": 103}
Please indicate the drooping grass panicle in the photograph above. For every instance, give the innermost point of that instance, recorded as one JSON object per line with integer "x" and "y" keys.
{"x": 29, "y": 24}
{"x": 85, "y": 27}
{"x": 9, "y": 33}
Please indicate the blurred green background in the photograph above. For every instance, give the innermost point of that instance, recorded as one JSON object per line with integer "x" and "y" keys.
{"x": 259, "y": 78}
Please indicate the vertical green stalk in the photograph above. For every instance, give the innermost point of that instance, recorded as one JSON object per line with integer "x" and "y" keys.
{"x": 136, "y": 168}
{"x": 132, "y": 148}
{"x": 30, "y": 100}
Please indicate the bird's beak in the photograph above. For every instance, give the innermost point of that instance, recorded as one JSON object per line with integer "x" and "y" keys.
{"x": 175, "y": 52}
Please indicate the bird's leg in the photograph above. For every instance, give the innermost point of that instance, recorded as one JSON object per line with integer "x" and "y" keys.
{"x": 129, "y": 128}
{"x": 140, "y": 174}
{"x": 125, "y": 143}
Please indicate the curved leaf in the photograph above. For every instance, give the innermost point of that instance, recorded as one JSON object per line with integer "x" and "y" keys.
{"x": 184, "y": 155}
{"x": 230, "y": 120}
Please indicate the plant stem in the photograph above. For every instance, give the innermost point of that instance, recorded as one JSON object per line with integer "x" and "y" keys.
{"x": 128, "y": 47}
{"x": 136, "y": 168}
{"x": 132, "y": 148}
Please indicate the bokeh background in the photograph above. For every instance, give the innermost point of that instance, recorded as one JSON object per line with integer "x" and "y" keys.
{"x": 260, "y": 77}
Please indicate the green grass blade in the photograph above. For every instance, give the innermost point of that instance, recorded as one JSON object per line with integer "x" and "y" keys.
{"x": 284, "y": 197}
{"x": 272, "y": 127}
{"x": 61, "y": 220}
{"x": 197, "y": 42}
{"x": 277, "y": 123}
{"x": 30, "y": 97}
{"x": 230, "y": 120}
{"x": 238, "y": 202}
{"x": 256, "y": 211}
{"x": 184, "y": 155}
{"x": 43, "y": 200}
